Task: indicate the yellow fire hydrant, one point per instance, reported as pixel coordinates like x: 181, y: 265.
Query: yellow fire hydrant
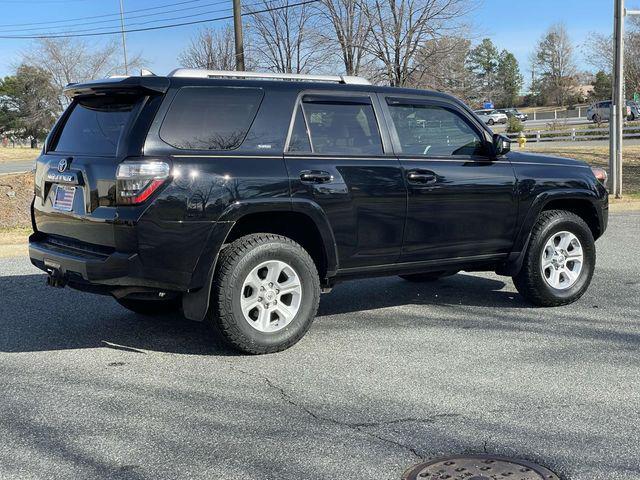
x: 522, y: 140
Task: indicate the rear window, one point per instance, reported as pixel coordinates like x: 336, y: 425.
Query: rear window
x: 95, y: 124
x: 210, y: 118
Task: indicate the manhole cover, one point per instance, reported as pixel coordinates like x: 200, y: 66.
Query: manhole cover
x: 478, y: 467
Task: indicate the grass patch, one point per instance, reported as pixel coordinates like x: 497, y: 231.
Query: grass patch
x: 13, y: 241
x: 599, y: 156
x: 18, y: 154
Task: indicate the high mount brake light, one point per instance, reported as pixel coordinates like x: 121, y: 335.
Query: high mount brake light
x: 600, y: 174
x: 137, y: 180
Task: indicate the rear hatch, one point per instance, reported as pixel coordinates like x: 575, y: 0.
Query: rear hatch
x: 75, y: 179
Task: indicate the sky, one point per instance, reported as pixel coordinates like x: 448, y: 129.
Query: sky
x: 514, y: 25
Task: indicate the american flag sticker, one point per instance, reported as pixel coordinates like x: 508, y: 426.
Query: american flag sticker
x: 64, y: 198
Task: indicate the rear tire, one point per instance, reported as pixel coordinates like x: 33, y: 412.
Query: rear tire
x: 559, y: 262
x: 249, y: 308
x: 426, y: 277
x: 490, y: 122
x: 150, y: 307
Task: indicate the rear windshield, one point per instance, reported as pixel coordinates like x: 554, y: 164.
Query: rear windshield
x: 95, y: 124
x: 210, y: 118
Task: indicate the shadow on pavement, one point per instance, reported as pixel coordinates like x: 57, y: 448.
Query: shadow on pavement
x: 34, y: 317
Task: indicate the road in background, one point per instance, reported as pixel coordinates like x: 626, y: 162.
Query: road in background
x: 16, y: 167
x: 390, y: 373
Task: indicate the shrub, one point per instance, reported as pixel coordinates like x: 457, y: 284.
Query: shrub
x: 514, y: 125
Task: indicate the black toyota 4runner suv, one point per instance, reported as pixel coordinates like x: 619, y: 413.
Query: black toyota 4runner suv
x: 238, y: 200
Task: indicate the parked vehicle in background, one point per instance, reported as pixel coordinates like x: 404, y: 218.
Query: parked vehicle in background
x: 633, y: 110
x: 238, y: 200
x: 514, y: 113
x: 491, y: 116
x: 601, y: 111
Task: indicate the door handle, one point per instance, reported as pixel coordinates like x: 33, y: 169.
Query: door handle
x: 421, y: 176
x: 315, y: 176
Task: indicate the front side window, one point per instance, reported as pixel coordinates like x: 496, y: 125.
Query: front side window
x: 342, y: 127
x: 210, y: 118
x: 433, y: 130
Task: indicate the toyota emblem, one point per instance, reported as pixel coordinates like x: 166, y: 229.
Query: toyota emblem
x: 62, y: 165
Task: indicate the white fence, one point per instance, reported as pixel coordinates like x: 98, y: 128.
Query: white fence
x: 574, y: 134
x: 574, y: 113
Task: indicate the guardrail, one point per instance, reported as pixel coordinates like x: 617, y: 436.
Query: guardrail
x: 574, y: 134
x: 558, y: 114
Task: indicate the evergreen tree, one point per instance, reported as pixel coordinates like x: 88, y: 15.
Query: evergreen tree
x: 601, y: 86
x: 483, y: 63
x: 509, y: 79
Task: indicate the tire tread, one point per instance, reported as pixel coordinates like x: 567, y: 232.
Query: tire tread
x: 222, y: 315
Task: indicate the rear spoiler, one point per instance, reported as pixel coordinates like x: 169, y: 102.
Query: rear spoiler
x: 145, y: 84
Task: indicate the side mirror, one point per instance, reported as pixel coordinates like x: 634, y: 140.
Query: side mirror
x: 501, y: 144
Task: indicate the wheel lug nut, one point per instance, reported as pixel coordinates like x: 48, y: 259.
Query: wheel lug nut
x: 259, y: 299
x: 270, y: 284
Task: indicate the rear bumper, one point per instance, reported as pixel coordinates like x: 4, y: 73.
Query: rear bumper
x: 98, y: 271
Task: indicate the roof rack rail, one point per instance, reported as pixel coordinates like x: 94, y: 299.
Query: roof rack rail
x: 198, y: 73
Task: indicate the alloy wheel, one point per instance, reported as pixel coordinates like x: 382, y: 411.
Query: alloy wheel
x: 271, y: 296
x: 562, y: 260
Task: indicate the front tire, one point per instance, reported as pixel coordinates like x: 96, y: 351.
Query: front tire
x: 490, y: 122
x: 559, y: 262
x: 266, y: 293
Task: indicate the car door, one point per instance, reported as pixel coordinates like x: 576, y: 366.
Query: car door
x: 339, y: 159
x: 461, y: 199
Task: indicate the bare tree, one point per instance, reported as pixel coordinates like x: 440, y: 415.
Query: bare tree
x: 399, y: 28
x: 554, y: 61
x: 69, y: 60
x: 350, y: 28
x: 211, y: 49
x: 444, y: 68
x: 598, y: 52
x: 284, y: 38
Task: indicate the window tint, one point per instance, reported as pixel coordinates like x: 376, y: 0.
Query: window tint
x: 95, y: 124
x: 210, y: 118
x: 299, y: 136
x: 433, y: 130
x: 342, y: 128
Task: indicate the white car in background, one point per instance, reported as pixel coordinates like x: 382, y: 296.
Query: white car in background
x: 491, y: 116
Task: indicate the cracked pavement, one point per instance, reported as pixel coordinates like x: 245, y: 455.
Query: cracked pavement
x: 389, y: 374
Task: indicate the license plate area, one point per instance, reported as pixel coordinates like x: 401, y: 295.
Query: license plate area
x: 63, y: 197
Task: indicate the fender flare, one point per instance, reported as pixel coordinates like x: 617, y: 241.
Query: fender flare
x: 195, y: 304
x: 514, y: 261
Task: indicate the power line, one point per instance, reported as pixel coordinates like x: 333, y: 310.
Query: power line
x: 70, y: 28
x: 102, y: 15
x: 128, y: 17
x: 148, y: 21
x: 158, y: 27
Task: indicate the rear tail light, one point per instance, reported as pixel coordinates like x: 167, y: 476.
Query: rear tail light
x: 136, y: 181
x: 600, y: 174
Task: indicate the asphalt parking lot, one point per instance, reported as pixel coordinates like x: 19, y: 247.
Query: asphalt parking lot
x: 390, y: 373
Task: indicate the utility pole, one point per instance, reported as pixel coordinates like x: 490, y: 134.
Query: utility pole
x: 124, y: 41
x: 237, y: 28
x: 618, y: 102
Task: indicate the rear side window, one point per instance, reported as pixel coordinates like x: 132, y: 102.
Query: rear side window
x: 210, y: 118
x: 342, y: 127
x: 95, y: 124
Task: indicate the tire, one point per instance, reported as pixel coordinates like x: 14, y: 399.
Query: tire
x: 490, y: 121
x: 238, y: 279
x: 532, y: 281
x: 596, y: 118
x: 631, y: 117
x: 150, y: 307
x: 426, y: 277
